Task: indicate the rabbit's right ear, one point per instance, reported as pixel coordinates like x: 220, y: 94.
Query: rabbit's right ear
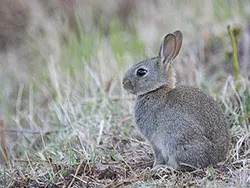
x: 167, y: 50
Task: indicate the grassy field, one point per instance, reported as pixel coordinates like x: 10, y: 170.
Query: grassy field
x: 67, y: 120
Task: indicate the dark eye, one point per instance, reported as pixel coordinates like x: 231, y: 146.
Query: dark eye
x: 141, y: 72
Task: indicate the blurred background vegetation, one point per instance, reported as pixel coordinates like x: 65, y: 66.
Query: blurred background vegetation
x: 62, y: 62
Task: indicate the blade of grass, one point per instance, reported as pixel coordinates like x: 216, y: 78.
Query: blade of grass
x: 4, y: 142
x: 235, y: 55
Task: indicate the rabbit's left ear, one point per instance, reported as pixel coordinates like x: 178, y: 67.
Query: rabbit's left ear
x: 170, y: 47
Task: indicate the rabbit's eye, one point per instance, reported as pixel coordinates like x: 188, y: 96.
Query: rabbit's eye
x: 141, y: 72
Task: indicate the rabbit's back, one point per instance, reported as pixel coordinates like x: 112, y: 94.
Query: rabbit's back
x: 183, y: 116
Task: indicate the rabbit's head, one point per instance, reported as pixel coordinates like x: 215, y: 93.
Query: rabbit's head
x: 153, y: 73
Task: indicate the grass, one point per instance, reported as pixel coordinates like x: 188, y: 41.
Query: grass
x: 68, y: 121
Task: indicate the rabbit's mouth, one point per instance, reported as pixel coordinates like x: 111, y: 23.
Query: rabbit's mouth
x: 127, y: 85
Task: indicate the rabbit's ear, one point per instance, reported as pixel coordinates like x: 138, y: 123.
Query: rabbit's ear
x: 168, y: 47
x: 178, y: 36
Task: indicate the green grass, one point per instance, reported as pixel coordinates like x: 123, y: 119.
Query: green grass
x: 68, y: 120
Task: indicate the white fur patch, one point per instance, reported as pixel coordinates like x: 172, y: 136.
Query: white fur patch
x: 172, y: 162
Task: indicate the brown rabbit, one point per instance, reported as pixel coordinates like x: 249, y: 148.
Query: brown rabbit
x: 186, y: 127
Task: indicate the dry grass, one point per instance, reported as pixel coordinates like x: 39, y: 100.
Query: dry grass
x: 69, y: 123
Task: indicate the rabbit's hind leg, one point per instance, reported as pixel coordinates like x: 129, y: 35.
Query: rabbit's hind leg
x: 193, y: 156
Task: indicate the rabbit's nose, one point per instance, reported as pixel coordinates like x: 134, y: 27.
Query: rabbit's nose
x: 127, y: 84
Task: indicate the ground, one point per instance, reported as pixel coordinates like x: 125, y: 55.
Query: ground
x: 67, y: 121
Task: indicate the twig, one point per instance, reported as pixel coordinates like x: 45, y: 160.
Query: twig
x: 129, y: 167
x: 142, y: 164
x: 140, y: 142
x: 75, y: 175
x: 113, y: 98
x: 30, y: 131
x: 79, y: 179
x: 124, y: 183
x: 39, y: 162
x: 4, y: 142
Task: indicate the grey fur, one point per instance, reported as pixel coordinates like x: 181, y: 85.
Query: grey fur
x: 186, y: 127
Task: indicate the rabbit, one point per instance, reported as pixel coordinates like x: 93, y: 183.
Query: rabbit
x: 185, y: 126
